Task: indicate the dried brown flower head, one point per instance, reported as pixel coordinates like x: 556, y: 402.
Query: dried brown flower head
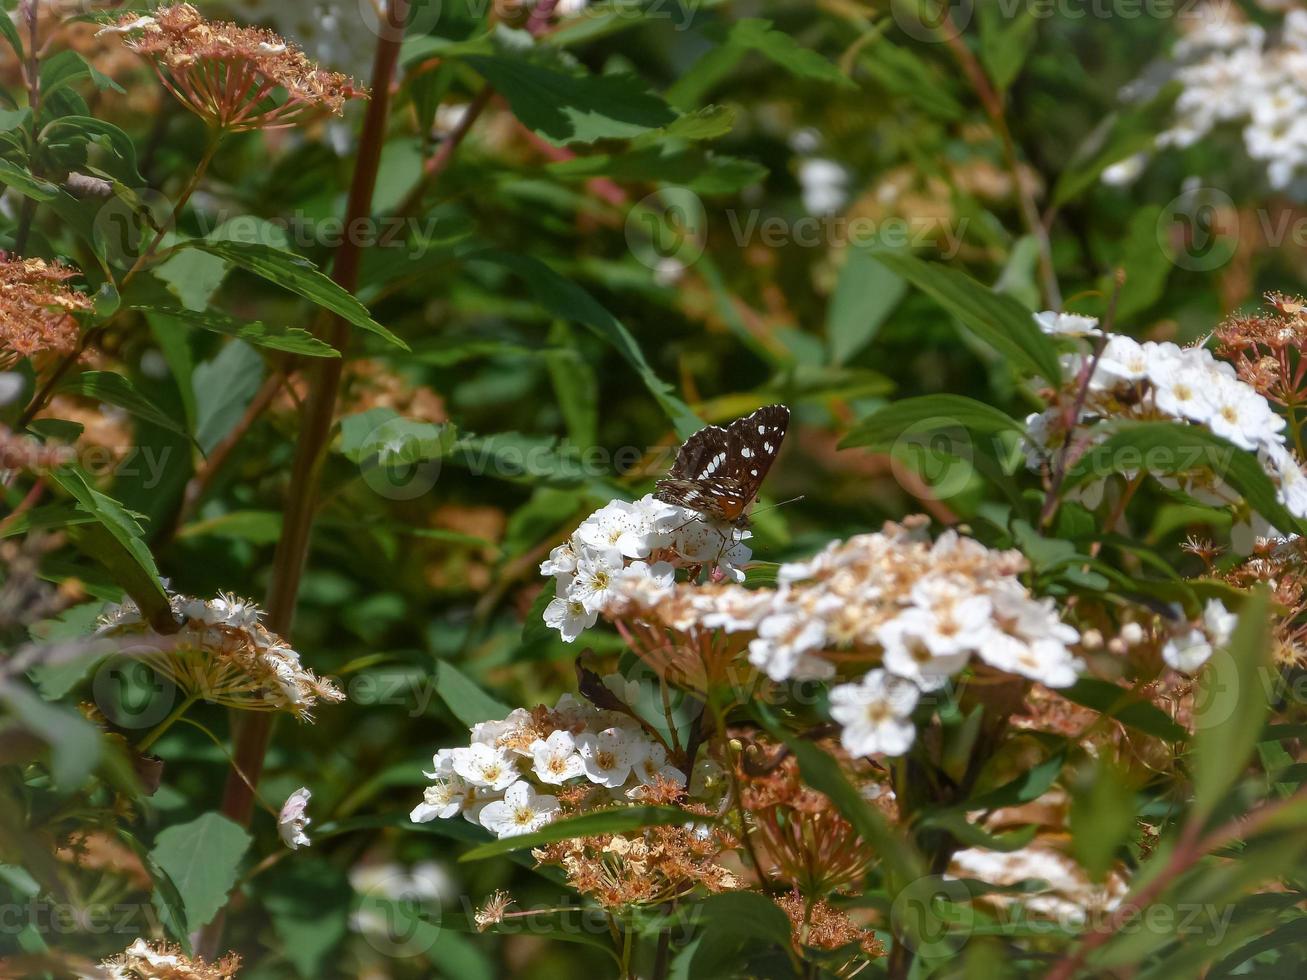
x: 161, y: 961
x: 1265, y: 348
x: 36, y: 309
x: 234, y: 77
x: 649, y: 867
x: 492, y: 912
x: 224, y: 655
x: 796, y: 830
x: 816, y: 924
x: 1280, y: 563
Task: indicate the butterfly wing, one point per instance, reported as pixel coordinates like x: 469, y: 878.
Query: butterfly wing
x: 753, y: 444
x: 719, y: 470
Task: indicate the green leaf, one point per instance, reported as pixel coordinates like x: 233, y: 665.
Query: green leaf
x: 1102, y: 816
x: 1146, y: 265
x: 1117, y: 137
x: 117, y: 542
x: 114, y: 389
x: 74, y: 742
x: 469, y: 704
x: 66, y: 67
x: 20, y: 179
x: 1030, y: 785
x: 292, y: 340
x: 201, y: 857
x: 965, y: 831
x: 1127, y: 707
x: 571, y: 106
x: 1176, y: 447
x: 754, y: 34
x: 999, y: 320
x: 700, y: 170
x: 1231, y: 706
x: 1005, y: 41
x: 9, y: 30
x: 564, y: 299
x: 109, y: 137
x: 223, y: 387
x: 734, y: 924
x: 254, y: 526
x: 865, y: 295
x: 300, y: 276
x: 615, y: 820
x: 927, y: 413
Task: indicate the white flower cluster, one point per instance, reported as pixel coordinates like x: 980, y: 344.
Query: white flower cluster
x: 923, y: 609
x: 640, y: 544
x: 222, y: 654
x: 1194, y: 643
x: 1231, y: 74
x: 1162, y: 380
x: 503, y: 779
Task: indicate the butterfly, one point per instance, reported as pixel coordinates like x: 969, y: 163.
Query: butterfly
x: 719, y: 470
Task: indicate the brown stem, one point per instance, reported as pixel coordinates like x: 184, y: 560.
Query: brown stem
x: 993, y: 106
x: 33, y: 72
x: 292, y: 548
x: 194, y: 182
x: 200, y: 483
x: 1072, y: 417
x: 439, y: 160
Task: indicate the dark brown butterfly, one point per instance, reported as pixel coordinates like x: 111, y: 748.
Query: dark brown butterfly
x: 719, y: 470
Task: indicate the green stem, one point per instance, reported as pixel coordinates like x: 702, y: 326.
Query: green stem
x: 167, y: 723
x: 192, y: 184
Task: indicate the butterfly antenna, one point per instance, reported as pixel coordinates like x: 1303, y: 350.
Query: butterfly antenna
x: 792, y: 500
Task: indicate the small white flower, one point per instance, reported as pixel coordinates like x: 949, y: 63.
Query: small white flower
x: 484, y: 765
x: 876, y: 714
x: 561, y: 561
x: 442, y: 764
x: 908, y: 652
x: 609, y: 756
x: 1240, y: 414
x: 596, y: 572
x: 569, y: 617
x: 491, y: 732
x: 555, y: 759
x: 1046, y: 661
x: 1219, y: 622
x: 655, y: 766
x: 1188, y: 651
x: 521, y: 811
x: 443, y: 799
x: 294, y: 818
x: 1068, y: 324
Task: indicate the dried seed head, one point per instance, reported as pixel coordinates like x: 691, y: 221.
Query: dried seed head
x: 36, y: 309
x: 235, y: 78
